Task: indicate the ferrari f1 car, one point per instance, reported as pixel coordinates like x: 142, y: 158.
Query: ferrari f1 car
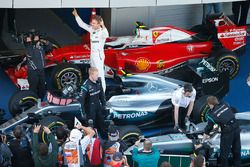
x: 185, y: 144
x: 162, y: 50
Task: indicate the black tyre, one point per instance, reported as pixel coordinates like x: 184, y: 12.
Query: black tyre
x: 199, y: 29
x: 52, y: 122
x: 200, y: 109
x: 226, y: 61
x: 21, y: 101
x: 66, y: 73
x: 129, y: 134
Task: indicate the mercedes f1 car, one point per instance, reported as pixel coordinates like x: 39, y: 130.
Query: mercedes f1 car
x: 142, y: 100
x: 185, y: 144
x: 163, y: 50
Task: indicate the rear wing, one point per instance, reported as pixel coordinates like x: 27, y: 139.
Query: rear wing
x: 231, y: 36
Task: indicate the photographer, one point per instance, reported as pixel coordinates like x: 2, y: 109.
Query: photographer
x: 5, y: 153
x: 148, y: 157
x: 41, y: 155
x: 36, y: 49
x: 75, y: 146
x: 21, y: 149
x: 112, y: 146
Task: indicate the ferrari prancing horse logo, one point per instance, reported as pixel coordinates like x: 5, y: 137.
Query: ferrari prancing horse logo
x: 155, y: 34
x: 160, y: 64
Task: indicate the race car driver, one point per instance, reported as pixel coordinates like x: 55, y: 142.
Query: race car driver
x: 181, y: 99
x: 222, y: 115
x: 36, y: 49
x: 98, y: 34
x: 92, y: 100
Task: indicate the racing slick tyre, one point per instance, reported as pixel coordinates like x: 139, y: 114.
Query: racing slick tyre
x: 52, y: 122
x: 21, y: 101
x: 200, y: 109
x: 226, y: 61
x: 129, y: 134
x: 66, y: 73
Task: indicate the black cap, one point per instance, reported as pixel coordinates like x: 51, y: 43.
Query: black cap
x: 112, y: 131
x: 117, y: 156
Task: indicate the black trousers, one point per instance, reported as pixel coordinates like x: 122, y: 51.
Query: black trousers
x: 240, y: 11
x: 10, y: 19
x: 36, y: 79
x: 230, y: 142
x: 95, y: 113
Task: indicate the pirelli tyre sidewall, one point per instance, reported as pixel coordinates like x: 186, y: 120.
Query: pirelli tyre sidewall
x: 227, y: 61
x: 52, y: 122
x: 200, y: 109
x: 129, y: 134
x: 66, y: 73
x: 22, y: 100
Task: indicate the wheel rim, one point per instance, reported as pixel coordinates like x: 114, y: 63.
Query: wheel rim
x: 131, y: 139
x: 69, y: 78
x: 227, y: 65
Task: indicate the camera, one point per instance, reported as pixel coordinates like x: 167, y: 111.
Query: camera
x: 142, y: 138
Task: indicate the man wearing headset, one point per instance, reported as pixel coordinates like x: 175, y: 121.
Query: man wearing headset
x: 36, y: 49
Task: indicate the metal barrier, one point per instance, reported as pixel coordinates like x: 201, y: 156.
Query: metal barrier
x: 174, y: 160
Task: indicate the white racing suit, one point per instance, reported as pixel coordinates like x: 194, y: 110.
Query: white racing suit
x: 97, y: 41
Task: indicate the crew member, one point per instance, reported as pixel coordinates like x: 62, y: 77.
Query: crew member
x: 240, y: 11
x: 36, y: 49
x: 221, y: 114
x: 98, y: 35
x: 181, y: 99
x: 92, y: 99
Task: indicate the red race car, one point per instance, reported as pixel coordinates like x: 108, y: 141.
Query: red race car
x: 160, y: 50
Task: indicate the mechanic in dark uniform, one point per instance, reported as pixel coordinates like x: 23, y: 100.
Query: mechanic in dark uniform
x: 92, y: 99
x: 36, y: 49
x: 222, y: 114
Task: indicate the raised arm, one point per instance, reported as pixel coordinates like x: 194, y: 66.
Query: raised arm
x: 80, y: 22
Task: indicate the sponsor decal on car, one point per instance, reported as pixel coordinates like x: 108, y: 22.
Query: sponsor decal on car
x: 130, y: 116
x: 190, y: 48
x: 233, y: 33
x: 208, y: 65
x: 160, y: 64
x: 155, y: 34
x: 210, y: 80
x: 245, y: 153
x: 142, y: 64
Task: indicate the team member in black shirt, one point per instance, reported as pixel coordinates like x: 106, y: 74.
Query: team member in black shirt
x: 92, y: 99
x: 36, y: 49
x: 222, y: 115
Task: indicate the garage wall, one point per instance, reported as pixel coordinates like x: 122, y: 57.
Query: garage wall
x: 184, y: 16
